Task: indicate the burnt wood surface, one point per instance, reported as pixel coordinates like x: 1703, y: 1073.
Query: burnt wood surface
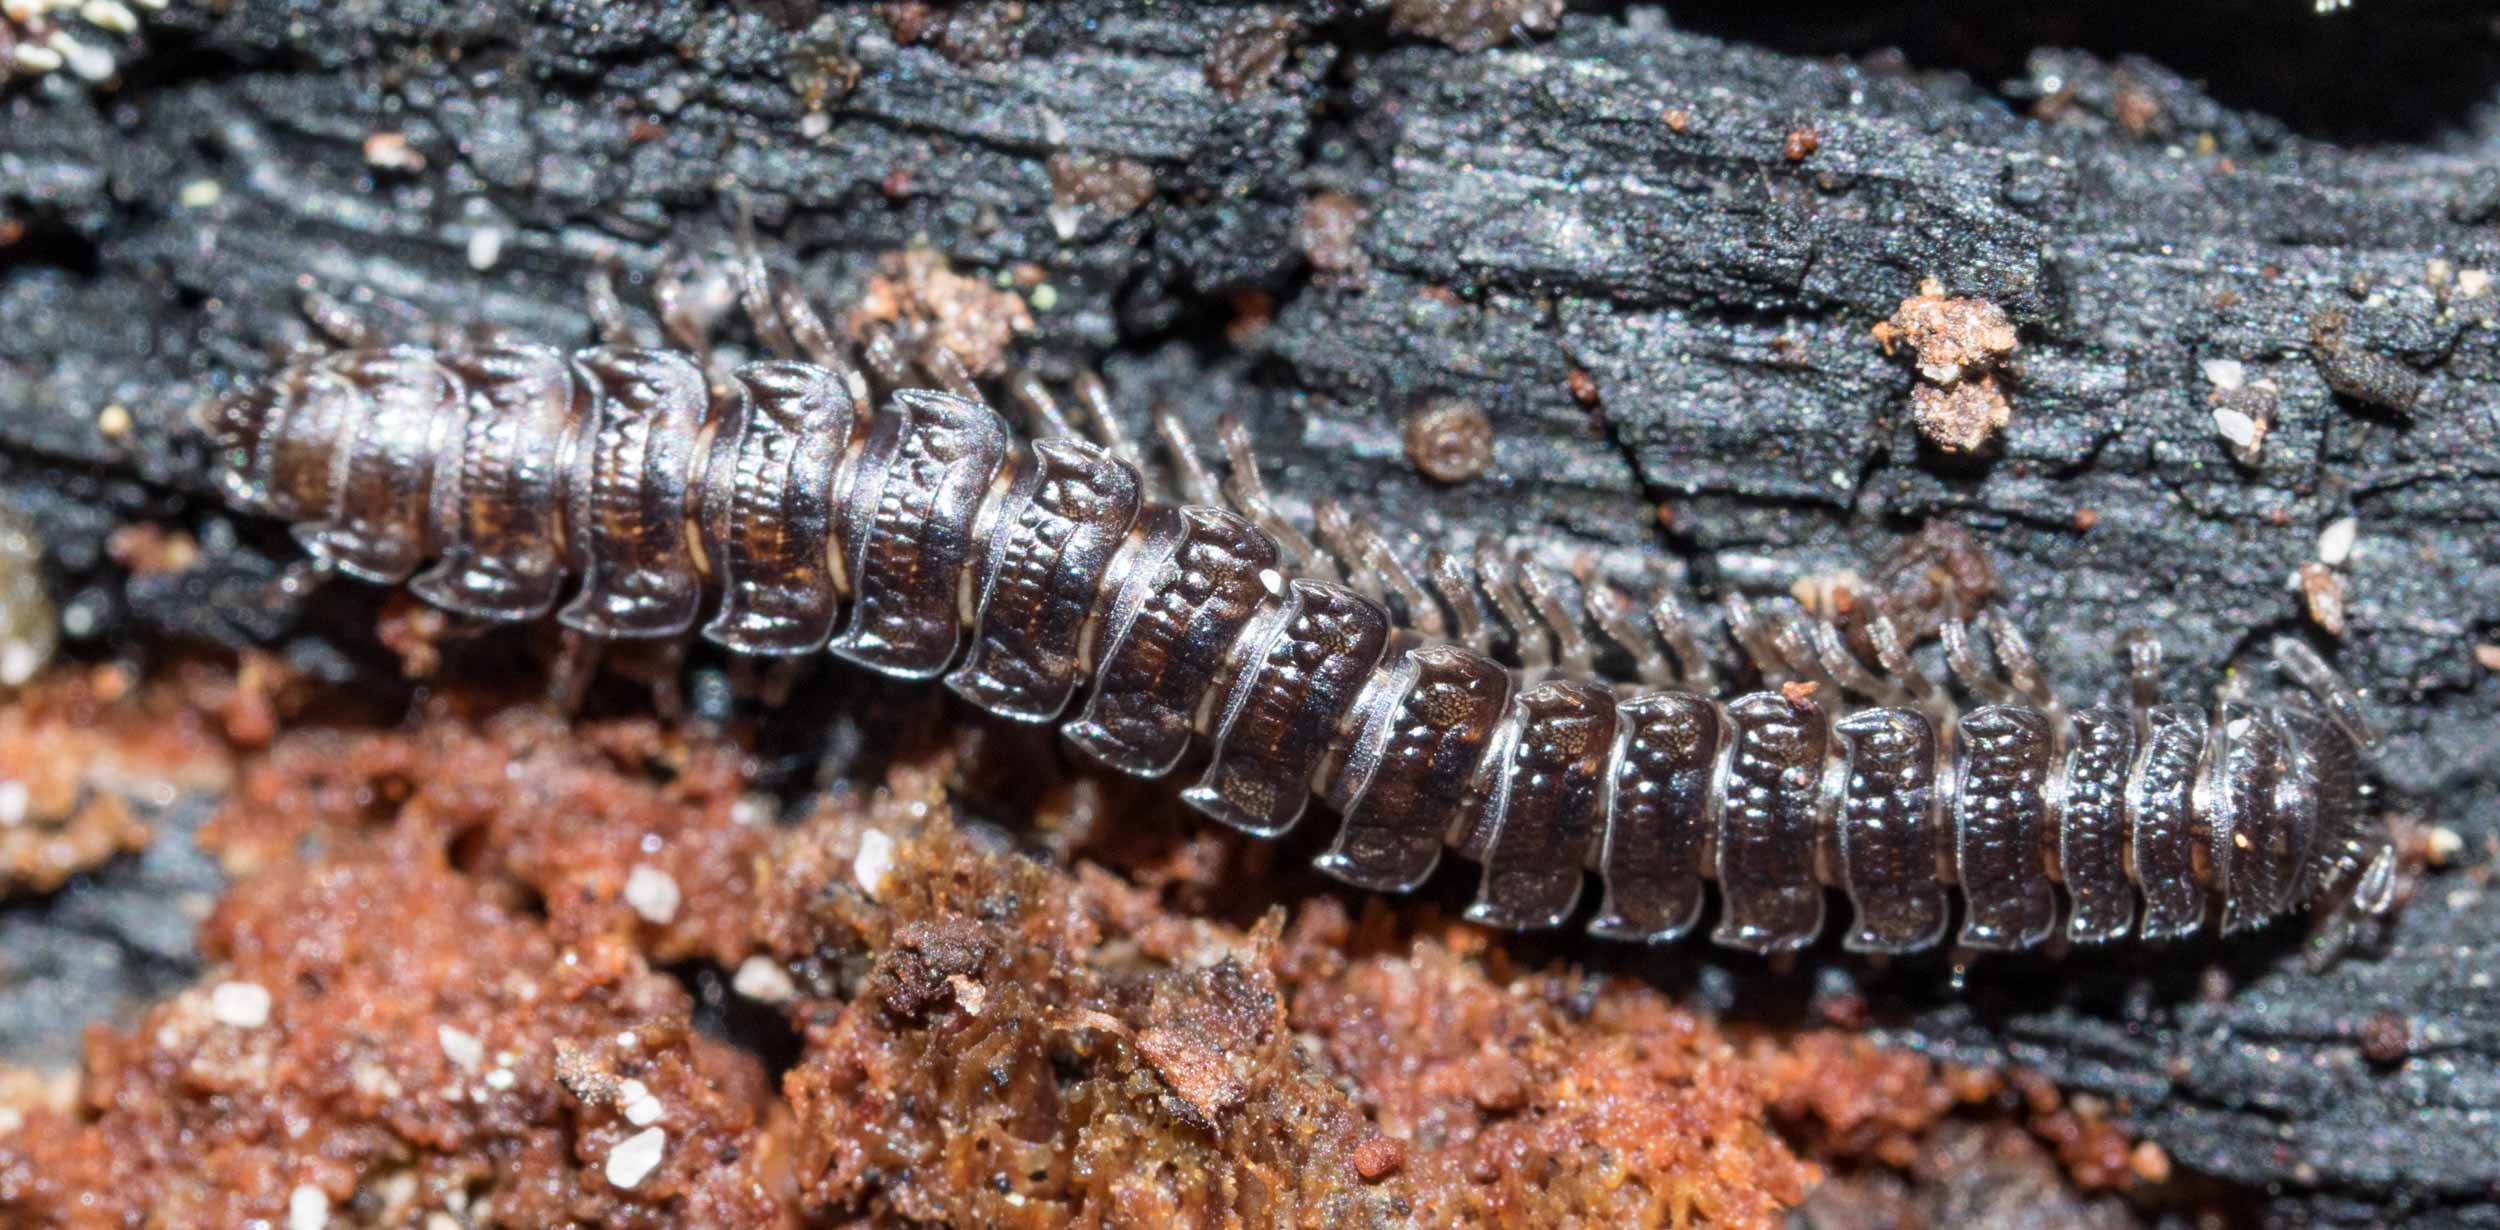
x: 1612, y: 238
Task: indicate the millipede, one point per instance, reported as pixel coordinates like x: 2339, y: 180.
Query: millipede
x: 788, y: 505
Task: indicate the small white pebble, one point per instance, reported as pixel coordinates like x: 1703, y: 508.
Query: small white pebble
x: 2442, y: 845
x: 635, y: 1157
x: 1045, y: 297
x: 635, y: 1100
x: 244, y: 1005
x: 36, y: 58
x: 19, y: 661
x: 2474, y: 283
x: 653, y: 894
x: 1271, y: 580
x: 2226, y: 374
x: 485, y: 247
x: 460, y: 1047
x: 199, y: 194
x: 92, y: 63
x: 441, y: 1221
x: 754, y: 809
x: 815, y: 124
x: 499, y: 1079
x: 876, y: 859
x: 2335, y: 541
x: 14, y: 802
x: 2237, y: 428
x: 762, y: 979
x: 1064, y: 220
x: 109, y: 15
x: 307, y: 1208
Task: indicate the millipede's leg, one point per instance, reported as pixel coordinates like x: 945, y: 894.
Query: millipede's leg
x: 781, y: 678
x: 1846, y: 669
x: 334, y: 320
x: 576, y: 664
x: 1337, y: 533
x: 2340, y: 918
x: 1791, y: 637
x: 1744, y: 626
x: 667, y: 666
x: 1675, y: 627
x: 691, y: 297
x: 947, y: 368
x: 1963, y: 657
x: 1197, y: 483
x: 1394, y: 575
x: 756, y: 298
x: 295, y: 584
x: 816, y: 341
x: 884, y: 357
x: 1494, y: 576
x: 2013, y: 652
x: 1612, y: 613
x: 1027, y: 390
x: 2143, y: 669
x: 1457, y: 588
x: 1544, y: 593
x: 1095, y: 396
x: 1894, y: 656
x: 2342, y: 704
x: 1248, y: 496
x: 608, y: 313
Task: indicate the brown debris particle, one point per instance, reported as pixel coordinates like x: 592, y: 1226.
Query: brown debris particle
x: 2323, y: 592
x: 1330, y: 232
x: 1960, y: 418
x: 1379, y: 1157
x: 2360, y: 373
x: 1959, y: 344
x: 2086, y: 518
x: 2487, y: 655
x: 1246, y: 56
x: 1116, y: 186
x: 918, y: 293
x: 1950, y: 337
x: 2135, y: 108
x: 390, y: 151
x: 1472, y: 25
x: 2386, y: 1038
x: 1678, y: 120
x: 1800, y: 144
x: 2150, y: 1162
x: 1450, y: 440
x: 1800, y: 692
x: 1583, y: 386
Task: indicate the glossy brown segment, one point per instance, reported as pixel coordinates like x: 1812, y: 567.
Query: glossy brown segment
x: 1414, y: 774
x: 2092, y: 826
x: 768, y: 507
x: 1043, y: 580
x: 1658, y: 825
x: 910, y: 533
x: 2257, y: 847
x: 1767, y: 821
x: 1888, y: 836
x: 1285, y: 710
x: 1549, y: 807
x: 310, y: 421
x: 629, y: 499
x: 382, y: 472
x: 1190, y: 609
x: 2000, y: 828
x: 2160, y: 799
x: 498, y: 499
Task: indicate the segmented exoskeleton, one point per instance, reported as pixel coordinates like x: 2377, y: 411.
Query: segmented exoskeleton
x: 924, y: 541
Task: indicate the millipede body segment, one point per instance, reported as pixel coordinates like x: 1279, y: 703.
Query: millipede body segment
x: 1054, y: 584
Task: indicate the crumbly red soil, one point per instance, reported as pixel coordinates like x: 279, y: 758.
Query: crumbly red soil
x: 461, y: 987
